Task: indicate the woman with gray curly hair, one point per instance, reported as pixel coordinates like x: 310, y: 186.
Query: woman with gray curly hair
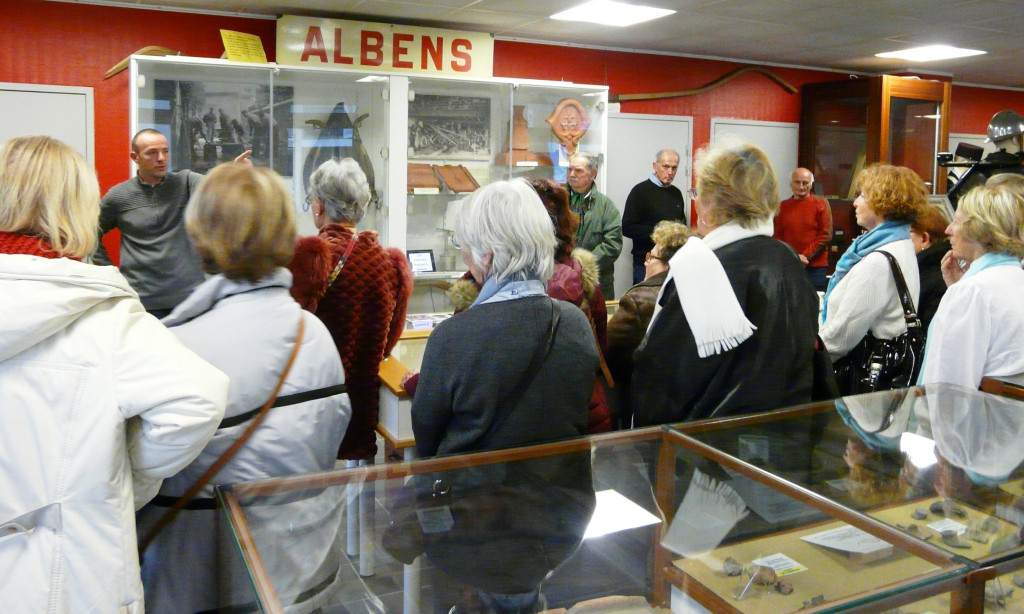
x: 358, y: 288
x: 517, y: 367
x: 978, y: 330
x: 737, y: 321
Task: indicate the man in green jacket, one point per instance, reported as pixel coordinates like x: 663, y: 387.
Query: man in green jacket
x: 600, y: 228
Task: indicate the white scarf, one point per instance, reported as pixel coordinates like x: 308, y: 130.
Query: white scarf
x: 705, y: 294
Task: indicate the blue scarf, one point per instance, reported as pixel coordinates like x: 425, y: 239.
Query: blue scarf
x: 886, y: 232
x: 989, y: 260
x: 986, y: 261
x: 508, y: 290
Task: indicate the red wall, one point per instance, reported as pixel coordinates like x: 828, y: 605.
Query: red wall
x: 61, y: 43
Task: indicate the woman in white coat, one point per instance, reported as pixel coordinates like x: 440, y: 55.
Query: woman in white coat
x: 244, y: 320
x: 861, y: 297
x: 99, y: 400
x: 978, y: 329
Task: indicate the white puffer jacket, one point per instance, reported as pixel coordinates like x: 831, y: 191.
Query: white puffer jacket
x: 93, y: 393
x: 248, y: 330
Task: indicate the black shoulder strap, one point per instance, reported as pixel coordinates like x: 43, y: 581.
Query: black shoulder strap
x: 909, y: 314
x: 539, y: 356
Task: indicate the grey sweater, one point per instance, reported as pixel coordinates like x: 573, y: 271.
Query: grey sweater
x: 474, y: 360
x: 156, y: 255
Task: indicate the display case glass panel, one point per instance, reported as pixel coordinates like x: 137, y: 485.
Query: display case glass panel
x: 941, y: 464
x: 644, y: 514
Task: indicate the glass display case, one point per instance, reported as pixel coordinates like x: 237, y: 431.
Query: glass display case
x: 424, y: 142
x: 848, y: 125
x: 941, y: 465
x: 904, y: 501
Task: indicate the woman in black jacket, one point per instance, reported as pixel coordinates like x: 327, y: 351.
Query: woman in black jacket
x: 928, y: 233
x: 738, y: 316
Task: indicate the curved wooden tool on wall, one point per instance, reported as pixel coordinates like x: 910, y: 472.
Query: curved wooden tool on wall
x: 705, y: 88
x: 150, y: 50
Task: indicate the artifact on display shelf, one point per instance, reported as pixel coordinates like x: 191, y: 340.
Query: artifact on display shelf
x: 211, y: 123
x: 569, y: 122
x: 457, y: 178
x: 421, y: 179
x: 339, y: 138
x: 519, y: 144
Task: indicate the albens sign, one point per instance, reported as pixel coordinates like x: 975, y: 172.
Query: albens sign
x: 305, y: 41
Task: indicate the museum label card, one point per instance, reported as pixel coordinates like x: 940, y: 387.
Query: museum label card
x: 848, y: 539
x: 947, y: 524
x: 782, y: 564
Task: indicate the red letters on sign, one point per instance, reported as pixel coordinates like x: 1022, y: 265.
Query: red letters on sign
x: 371, y: 43
x: 338, y: 58
x: 398, y: 51
x: 403, y: 47
x: 460, y: 47
x: 435, y: 52
x: 314, y: 45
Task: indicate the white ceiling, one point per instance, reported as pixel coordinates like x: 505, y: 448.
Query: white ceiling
x: 833, y: 34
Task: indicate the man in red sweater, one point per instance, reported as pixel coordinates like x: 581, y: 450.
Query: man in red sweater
x: 805, y: 223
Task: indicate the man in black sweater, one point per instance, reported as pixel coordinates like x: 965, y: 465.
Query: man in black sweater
x: 649, y: 202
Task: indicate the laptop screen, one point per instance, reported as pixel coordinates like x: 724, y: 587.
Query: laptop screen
x: 421, y: 260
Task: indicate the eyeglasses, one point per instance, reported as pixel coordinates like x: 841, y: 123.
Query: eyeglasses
x: 651, y: 256
x: 692, y: 193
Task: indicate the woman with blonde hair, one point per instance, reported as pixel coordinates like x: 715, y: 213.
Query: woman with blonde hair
x: 978, y: 330
x: 735, y: 330
x: 862, y: 296
x: 243, y: 320
x: 100, y: 402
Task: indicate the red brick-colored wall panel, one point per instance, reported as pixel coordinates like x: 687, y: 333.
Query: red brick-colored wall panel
x: 973, y: 107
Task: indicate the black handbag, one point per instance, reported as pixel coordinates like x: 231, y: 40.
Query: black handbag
x: 885, y: 364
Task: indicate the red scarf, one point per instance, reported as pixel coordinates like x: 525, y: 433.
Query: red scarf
x: 15, y: 243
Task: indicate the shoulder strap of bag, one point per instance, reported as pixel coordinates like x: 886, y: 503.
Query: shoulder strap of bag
x: 344, y: 258
x: 909, y: 314
x: 215, y: 468
x: 539, y: 356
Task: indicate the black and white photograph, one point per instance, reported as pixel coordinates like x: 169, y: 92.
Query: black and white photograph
x: 450, y: 127
x: 211, y: 123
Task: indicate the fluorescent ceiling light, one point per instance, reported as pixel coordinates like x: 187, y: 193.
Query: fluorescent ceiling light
x: 372, y: 79
x: 930, y: 53
x: 609, y: 13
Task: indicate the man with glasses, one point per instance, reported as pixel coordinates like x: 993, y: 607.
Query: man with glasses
x: 649, y: 202
x: 600, y: 227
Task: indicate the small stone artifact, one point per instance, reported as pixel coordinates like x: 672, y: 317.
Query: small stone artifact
x: 1005, y: 542
x: 952, y: 538
x: 762, y: 575
x: 996, y: 594
x: 731, y: 567
x: 813, y: 601
x: 919, y: 514
x: 1018, y: 579
x: 947, y: 508
x: 784, y: 587
x: 976, y: 533
x: 990, y: 524
x: 915, y: 530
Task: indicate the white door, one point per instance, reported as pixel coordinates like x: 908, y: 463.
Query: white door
x: 778, y: 140
x: 633, y: 141
x: 65, y: 113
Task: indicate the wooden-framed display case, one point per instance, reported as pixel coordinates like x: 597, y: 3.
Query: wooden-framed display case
x: 425, y: 142
x: 824, y: 494
x: 848, y: 125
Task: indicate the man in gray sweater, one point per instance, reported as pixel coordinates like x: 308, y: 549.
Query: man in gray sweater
x: 156, y: 256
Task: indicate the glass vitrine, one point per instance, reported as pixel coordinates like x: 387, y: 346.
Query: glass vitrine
x: 650, y: 517
x: 848, y: 125
x: 939, y: 464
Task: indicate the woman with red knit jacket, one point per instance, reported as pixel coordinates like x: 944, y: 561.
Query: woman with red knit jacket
x: 359, y: 289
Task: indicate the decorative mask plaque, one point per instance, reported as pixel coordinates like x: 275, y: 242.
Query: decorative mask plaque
x: 569, y: 122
